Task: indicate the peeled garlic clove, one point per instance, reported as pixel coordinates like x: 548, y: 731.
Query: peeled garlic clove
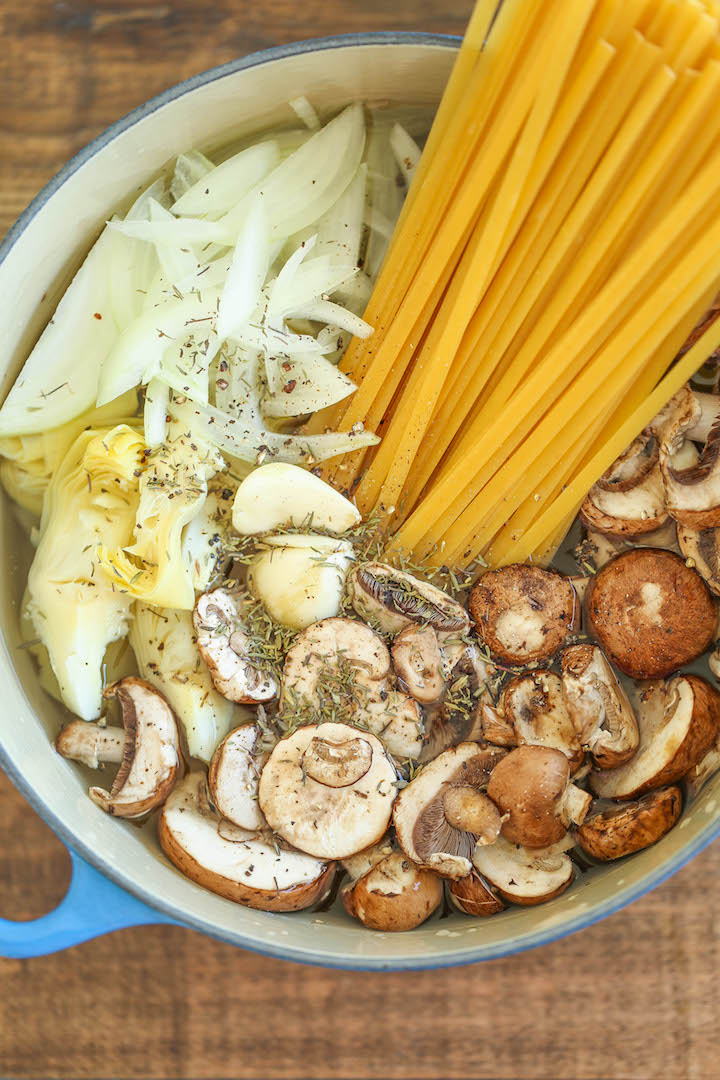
x: 278, y: 495
x: 300, y: 579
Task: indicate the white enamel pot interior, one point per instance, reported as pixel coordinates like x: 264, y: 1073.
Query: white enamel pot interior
x: 36, y: 261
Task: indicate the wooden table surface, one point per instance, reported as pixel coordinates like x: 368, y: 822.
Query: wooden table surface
x: 635, y: 997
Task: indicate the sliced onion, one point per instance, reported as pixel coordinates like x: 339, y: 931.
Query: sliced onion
x: 184, y: 232
x: 157, y: 397
x: 308, y: 386
x: 406, y: 152
x: 177, y: 262
x: 223, y: 188
x: 340, y: 229
x: 190, y: 169
x: 333, y: 315
x: 305, y: 112
x: 248, y: 270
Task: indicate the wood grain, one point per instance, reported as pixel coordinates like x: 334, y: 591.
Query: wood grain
x: 636, y: 997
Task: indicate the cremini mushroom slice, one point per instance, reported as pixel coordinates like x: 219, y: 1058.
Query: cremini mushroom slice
x: 531, y: 788
x: 234, y: 776
x: 226, y: 648
x: 522, y: 876
x: 457, y: 717
x: 308, y: 796
x: 394, y: 895
x: 300, y: 577
x: 698, y: 777
x: 148, y: 750
x: 435, y: 815
x: 277, y: 495
x: 342, y: 667
x: 629, y: 500
x: 533, y: 707
x: 598, y: 706
x: 650, y: 612
x: 418, y: 661
x: 250, y: 869
x: 679, y: 722
x: 389, y: 600
x: 701, y: 549
x: 474, y: 896
x: 604, y: 548
x: 524, y: 614
x: 628, y: 827
x: 692, y: 484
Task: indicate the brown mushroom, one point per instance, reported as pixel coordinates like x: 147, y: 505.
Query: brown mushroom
x: 603, y: 548
x: 474, y: 896
x: 628, y: 827
x: 701, y: 550
x: 531, y: 787
x: 234, y: 776
x: 650, y: 612
x: 458, y: 716
x: 328, y: 789
x: 225, y: 647
x: 247, y: 868
x: 522, y: 876
x: 436, y: 814
x: 692, y: 485
x: 698, y: 776
x: 524, y: 614
x: 150, y: 762
x: 390, y: 599
x: 534, y: 708
x: 394, y: 895
x: 629, y: 500
x: 418, y: 662
x: 598, y: 706
x: 679, y: 721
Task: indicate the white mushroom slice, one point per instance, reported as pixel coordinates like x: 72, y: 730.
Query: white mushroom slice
x: 534, y: 707
x: 702, y: 553
x: 629, y: 500
x: 320, y: 816
x: 418, y: 662
x: 598, y: 706
x: 226, y: 648
x: 252, y: 871
x: 522, y: 876
x: 234, y: 777
x: 363, y: 861
x: 300, y: 578
x: 389, y: 599
x: 434, y: 821
x: 706, y: 416
x: 151, y: 758
x: 277, y: 495
x: 397, y: 720
x: 329, y: 646
x: 531, y: 787
x: 679, y: 722
x: 692, y: 491
x: 393, y: 896
x: 90, y: 744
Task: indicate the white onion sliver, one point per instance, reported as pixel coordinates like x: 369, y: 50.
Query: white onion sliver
x: 340, y: 229
x: 307, y: 386
x: 406, y: 152
x: 182, y: 231
x: 190, y: 168
x: 248, y: 270
x: 305, y: 112
x: 218, y: 191
x: 177, y: 262
x: 157, y: 397
x: 333, y: 315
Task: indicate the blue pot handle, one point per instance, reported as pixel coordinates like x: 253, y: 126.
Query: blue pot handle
x: 92, y: 906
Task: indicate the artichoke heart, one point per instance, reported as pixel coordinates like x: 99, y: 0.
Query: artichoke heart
x: 75, y: 610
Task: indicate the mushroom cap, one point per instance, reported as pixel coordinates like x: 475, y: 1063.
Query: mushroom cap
x: 225, y: 647
x: 650, y: 612
x: 251, y: 870
x: 474, y: 896
x: 458, y: 716
x: 151, y: 761
x: 420, y: 816
x: 535, y: 706
x: 327, y: 645
x: 234, y: 777
x: 679, y: 722
x: 523, y: 613
x: 391, y: 599
x: 323, y: 820
x: 629, y: 500
x: 418, y: 661
x: 522, y: 876
x: 531, y: 785
x: 598, y: 706
x: 394, y: 895
x: 702, y: 552
x: 628, y: 827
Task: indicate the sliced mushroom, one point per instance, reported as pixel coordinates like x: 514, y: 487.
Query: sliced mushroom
x: 698, y: 777
x: 598, y: 706
x: 418, y: 662
x: 389, y: 599
x: 650, y: 612
x: 522, y: 876
x: 458, y: 716
x: 322, y: 810
x: 394, y: 895
x: 234, y: 776
x: 435, y: 815
x: 300, y: 578
x: 343, y: 666
x: 604, y: 548
x: 277, y: 495
x: 150, y: 760
x: 474, y: 896
x: 692, y: 489
x: 702, y: 553
x: 249, y: 869
x: 623, y: 829
x: 679, y: 722
x: 531, y: 787
x: 533, y: 708
x: 226, y: 648
x: 524, y: 614
x: 629, y: 500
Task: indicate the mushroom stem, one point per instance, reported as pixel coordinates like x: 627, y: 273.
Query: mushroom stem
x: 91, y: 744
x: 574, y: 806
